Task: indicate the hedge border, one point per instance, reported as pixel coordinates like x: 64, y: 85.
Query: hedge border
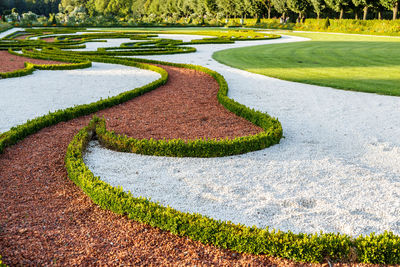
x: 30, y: 67
x: 299, y: 247
x: 19, y: 132
x: 271, y: 134
x: 383, y: 248
x: 272, y: 129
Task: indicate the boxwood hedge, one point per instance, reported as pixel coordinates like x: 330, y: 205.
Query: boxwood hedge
x: 335, y: 247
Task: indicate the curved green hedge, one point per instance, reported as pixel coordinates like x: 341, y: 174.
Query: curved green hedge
x: 30, y: 67
x: 19, y: 132
x: 382, y: 248
x: 271, y: 134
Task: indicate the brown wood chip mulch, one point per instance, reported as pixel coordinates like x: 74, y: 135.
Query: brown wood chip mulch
x: 46, y: 220
x: 48, y: 39
x: 9, y: 62
x: 186, y: 107
x: 22, y: 37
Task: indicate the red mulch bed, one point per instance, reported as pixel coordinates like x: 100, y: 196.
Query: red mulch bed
x: 9, y: 62
x: 48, y: 39
x: 22, y: 37
x: 186, y: 107
x: 46, y: 220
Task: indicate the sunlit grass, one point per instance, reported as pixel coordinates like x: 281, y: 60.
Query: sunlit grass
x: 359, y: 63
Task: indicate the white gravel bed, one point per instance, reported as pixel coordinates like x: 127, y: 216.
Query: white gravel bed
x: 183, y: 37
x: 92, y: 46
x: 337, y: 170
x: 10, y: 31
x: 35, y: 95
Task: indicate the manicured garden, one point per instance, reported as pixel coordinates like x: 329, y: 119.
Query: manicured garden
x: 66, y: 133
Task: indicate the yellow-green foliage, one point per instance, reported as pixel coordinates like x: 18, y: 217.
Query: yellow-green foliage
x: 389, y: 27
x: 383, y: 27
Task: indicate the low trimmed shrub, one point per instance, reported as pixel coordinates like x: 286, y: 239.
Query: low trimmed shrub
x: 19, y: 132
x: 30, y: 67
x: 201, y: 148
x: 334, y: 247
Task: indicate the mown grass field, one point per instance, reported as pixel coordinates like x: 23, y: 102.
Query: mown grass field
x: 351, y: 62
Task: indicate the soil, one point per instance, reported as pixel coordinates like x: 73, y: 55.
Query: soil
x: 186, y: 107
x: 22, y: 37
x: 9, y: 62
x: 46, y: 220
x: 48, y: 39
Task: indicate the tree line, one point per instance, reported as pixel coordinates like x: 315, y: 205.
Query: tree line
x: 211, y: 8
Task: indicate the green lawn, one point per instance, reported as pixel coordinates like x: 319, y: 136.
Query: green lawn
x: 4, y: 26
x: 358, y: 63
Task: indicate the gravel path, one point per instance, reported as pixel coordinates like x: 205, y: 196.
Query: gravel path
x: 337, y: 170
x: 4, y: 34
x: 35, y: 95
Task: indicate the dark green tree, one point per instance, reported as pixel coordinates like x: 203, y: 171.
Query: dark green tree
x: 118, y: 7
x: 211, y: 6
x: 318, y: 6
x: 228, y: 7
x: 299, y: 7
x: 338, y: 6
x: 391, y: 4
x: 365, y: 5
x: 264, y: 3
x: 280, y: 6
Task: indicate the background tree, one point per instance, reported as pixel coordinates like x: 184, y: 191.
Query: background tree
x: 228, y: 7
x: 299, y: 7
x: 391, y: 4
x: 137, y: 8
x: 364, y: 4
x: 246, y: 7
x: 338, y: 6
x: 318, y: 6
x: 94, y: 7
x: 281, y: 7
x: 185, y: 7
x: 211, y: 6
x: 118, y: 7
x: 260, y: 4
